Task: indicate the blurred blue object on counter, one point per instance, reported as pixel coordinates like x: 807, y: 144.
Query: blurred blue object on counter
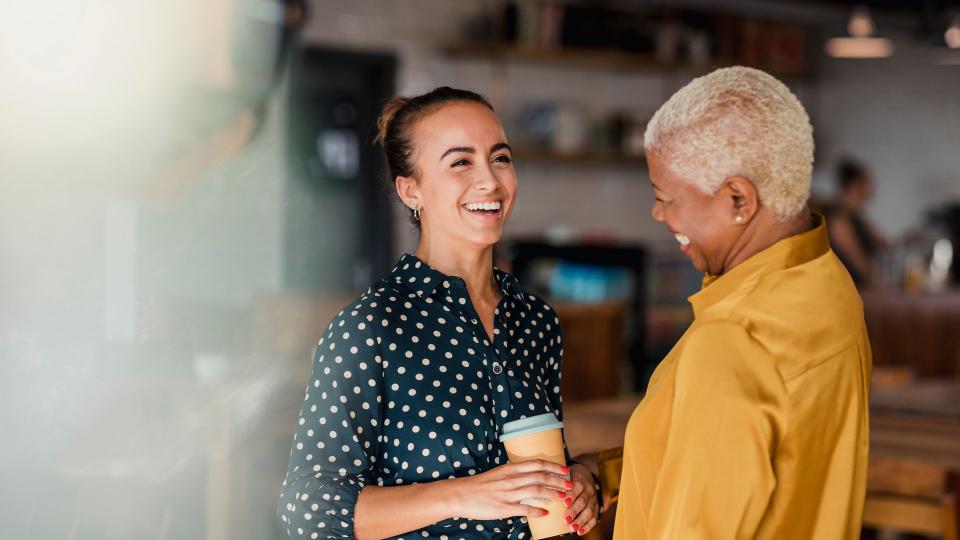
x: 588, y: 283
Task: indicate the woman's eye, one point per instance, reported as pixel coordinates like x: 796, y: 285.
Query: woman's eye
x: 503, y: 159
x: 460, y: 163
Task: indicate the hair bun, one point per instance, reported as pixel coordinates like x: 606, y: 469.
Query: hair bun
x: 386, y: 117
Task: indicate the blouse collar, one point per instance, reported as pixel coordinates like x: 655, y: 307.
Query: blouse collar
x: 787, y: 253
x: 424, y: 280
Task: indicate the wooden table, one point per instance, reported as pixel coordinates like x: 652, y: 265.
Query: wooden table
x: 918, y: 331
x: 930, y: 398
x: 914, y: 438
x: 918, y: 427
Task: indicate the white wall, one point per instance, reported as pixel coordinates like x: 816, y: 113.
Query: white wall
x: 900, y: 116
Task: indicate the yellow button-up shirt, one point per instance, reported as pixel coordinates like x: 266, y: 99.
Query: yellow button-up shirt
x: 755, y: 425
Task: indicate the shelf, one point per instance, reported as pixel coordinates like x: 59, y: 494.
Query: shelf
x: 583, y: 57
x: 612, y: 59
x: 548, y: 156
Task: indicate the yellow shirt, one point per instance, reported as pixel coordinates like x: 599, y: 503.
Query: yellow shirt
x: 755, y: 425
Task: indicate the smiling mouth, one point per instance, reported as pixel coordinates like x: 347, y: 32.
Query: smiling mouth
x: 683, y: 239
x: 489, y: 208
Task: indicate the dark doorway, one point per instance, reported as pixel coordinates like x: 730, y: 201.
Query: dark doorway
x: 338, y: 231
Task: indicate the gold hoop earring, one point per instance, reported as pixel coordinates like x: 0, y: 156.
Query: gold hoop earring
x: 417, y: 214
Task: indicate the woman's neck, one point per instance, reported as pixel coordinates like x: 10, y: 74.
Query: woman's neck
x: 765, y: 231
x: 850, y: 203
x: 473, y: 264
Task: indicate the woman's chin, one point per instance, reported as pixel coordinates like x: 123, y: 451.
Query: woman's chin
x: 484, y: 237
x: 482, y: 231
x: 698, y: 263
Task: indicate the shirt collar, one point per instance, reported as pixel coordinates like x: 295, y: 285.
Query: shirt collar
x: 423, y: 280
x: 787, y: 253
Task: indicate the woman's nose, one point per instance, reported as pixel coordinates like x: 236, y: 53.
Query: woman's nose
x: 656, y: 212
x: 487, y: 180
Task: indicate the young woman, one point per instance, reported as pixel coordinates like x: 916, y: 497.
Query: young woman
x: 411, y: 384
x: 853, y: 237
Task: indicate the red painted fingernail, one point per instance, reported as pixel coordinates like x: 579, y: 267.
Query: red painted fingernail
x: 568, y: 485
x: 568, y: 501
x: 582, y: 532
x: 566, y: 470
x: 545, y: 511
x: 574, y: 526
x: 561, y: 494
x: 569, y: 519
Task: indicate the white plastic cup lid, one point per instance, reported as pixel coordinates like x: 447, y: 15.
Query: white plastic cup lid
x: 530, y: 425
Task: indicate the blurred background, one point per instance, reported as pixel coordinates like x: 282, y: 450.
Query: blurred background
x: 189, y: 192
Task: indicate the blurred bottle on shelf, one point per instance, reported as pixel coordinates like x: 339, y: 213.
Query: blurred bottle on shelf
x: 570, y: 131
x: 668, y: 42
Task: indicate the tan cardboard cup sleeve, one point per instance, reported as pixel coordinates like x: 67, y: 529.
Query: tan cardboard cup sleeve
x: 539, y: 437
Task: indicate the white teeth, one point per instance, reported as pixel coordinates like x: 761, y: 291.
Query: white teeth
x: 682, y: 239
x: 495, y: 205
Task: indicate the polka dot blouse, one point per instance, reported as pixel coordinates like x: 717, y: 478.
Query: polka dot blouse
x: 406, y: 388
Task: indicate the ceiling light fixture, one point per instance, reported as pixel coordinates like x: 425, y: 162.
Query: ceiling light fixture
x: 861, y: 44
x: 952, y: 35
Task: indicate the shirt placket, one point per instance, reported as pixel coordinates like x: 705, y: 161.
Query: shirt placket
x: 493, y: 360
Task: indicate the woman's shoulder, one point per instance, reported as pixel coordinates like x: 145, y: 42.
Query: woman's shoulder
x: 531, y: 306
x: 539, y: 314
x: 365, y: 313
x: 379, y: 296
x: 538, y: 306
x: 521, y: 298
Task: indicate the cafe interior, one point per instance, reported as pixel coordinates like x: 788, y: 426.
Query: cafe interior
x: 190, y: 192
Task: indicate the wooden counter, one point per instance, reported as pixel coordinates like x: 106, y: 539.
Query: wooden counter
x: 921, y: 331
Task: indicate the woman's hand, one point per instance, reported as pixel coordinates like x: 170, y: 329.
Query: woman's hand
x: 496, y: 494
x: 582, y: 507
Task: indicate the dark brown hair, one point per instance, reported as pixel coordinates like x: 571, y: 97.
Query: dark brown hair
x: 849, y: 173
x: 398, y: 118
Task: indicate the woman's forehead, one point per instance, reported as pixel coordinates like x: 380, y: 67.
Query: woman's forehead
x: 459, y: 124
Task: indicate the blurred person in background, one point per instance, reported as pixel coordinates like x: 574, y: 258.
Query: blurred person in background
x: 413, y: 381
x: 755, y: 425
x: 854, y: 239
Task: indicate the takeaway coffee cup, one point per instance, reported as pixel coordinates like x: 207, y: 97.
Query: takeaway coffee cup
x: 539, y: 437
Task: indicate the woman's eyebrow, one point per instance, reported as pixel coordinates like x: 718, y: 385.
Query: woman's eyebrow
x: 467, y: 149
x: 500, y: 146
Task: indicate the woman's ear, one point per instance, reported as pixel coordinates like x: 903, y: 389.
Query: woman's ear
x: 743, y: 197
x: 409, y: 192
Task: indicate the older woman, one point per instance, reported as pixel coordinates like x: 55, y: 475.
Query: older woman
x: 755, y: 425
x: 412, y: 382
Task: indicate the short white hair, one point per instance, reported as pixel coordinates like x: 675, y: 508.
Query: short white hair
x: 738, y: 121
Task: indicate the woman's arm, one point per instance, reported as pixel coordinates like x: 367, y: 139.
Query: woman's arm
x: 590, y: 461
x: 879, y: 239
x: 336, y: 444
x: 384, y: 512
x: 729, y: 410
x: 845, y: 241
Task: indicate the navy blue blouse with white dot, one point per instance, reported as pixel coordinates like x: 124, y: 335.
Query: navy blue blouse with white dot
x: 407, y: 388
